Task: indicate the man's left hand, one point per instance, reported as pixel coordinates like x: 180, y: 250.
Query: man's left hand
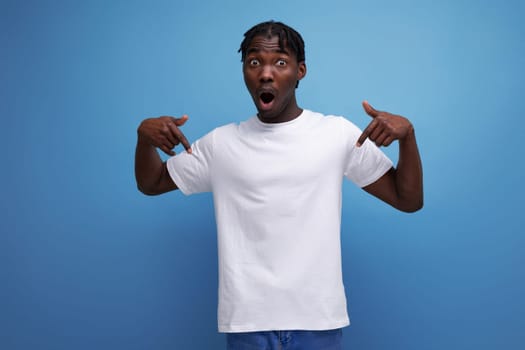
x: 385, y: 127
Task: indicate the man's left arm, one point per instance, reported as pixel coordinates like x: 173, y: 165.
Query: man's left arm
x: 401, y: 187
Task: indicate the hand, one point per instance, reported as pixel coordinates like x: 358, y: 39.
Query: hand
x: 164, y: 133
x: 384, y: 128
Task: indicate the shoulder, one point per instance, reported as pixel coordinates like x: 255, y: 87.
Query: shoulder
x: 333, y: 122
x: 228, y: 131
x: 222, y: 131
x: 225, y: 129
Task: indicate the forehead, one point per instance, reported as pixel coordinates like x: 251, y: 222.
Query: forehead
x: 267, y: 43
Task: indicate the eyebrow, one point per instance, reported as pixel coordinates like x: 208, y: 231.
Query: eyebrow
x: 256, y: 50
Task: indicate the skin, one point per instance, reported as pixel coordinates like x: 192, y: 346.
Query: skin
x: 401, y: 187
x: 151, y: 172
x: 268, y: 69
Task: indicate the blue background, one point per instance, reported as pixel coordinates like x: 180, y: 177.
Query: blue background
x: 89, y: 262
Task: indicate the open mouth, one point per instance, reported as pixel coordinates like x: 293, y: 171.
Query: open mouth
x: 267, y: 97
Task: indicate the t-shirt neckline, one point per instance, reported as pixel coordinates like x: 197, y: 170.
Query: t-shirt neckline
x: 283, y: 125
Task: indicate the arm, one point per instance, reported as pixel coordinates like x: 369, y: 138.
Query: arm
x: 401, y: 187
x: 151, y: 172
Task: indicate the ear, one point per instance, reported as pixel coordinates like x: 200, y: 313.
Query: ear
x: 301, y: 70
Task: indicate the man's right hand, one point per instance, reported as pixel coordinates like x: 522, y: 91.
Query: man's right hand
x: 164, y: 133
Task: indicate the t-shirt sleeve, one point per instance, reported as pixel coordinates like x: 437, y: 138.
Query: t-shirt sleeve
x: 365, y: 164
x: 191, y: 172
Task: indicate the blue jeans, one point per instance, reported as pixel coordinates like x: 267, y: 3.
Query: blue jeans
x: 286, y: 340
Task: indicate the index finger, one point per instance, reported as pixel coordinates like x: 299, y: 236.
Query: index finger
x: 368, y: 130
x: 180, y: 136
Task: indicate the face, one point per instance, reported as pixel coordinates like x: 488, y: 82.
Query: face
x: 271, y: 75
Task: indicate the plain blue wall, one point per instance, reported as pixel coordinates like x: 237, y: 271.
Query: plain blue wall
x: 89, y: 262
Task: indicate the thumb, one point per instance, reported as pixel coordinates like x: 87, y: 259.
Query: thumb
x: 369, y: 109
x: 181, y: 121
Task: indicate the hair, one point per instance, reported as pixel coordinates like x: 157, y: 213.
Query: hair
x: 288, y: 38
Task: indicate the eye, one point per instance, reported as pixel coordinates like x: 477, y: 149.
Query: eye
x: 281, y: 62
x: 253, y: 62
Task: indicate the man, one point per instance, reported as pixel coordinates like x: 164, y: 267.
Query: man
x: 276, y: 180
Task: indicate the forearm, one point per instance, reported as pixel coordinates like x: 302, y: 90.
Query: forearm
x: 409, y: 174
x: 150, y: 171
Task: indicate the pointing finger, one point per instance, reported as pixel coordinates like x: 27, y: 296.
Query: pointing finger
x: 369, y: 129
x: 185, y: 143
x: 180, y: 136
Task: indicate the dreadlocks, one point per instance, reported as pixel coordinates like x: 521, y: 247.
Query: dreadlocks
x: 288, y: 37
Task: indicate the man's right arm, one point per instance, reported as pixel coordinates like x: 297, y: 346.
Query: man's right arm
x: 151, y: 172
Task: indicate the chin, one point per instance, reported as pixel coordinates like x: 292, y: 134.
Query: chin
x: 268, y: 115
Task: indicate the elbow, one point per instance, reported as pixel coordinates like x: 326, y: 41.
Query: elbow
x: 411, y: 207
x: 148, y: 191
x: 155, y: 188
x: 153, y: 183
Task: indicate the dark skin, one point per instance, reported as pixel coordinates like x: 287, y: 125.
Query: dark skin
x: 271, y: 75
x: 401, y: 187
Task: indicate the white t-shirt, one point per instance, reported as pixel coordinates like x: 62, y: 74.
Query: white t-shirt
x: 277, y: 192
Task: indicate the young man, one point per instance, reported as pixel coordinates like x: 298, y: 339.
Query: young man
x: 276, y: 180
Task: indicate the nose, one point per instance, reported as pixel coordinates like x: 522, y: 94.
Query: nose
x: 266, y: 74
